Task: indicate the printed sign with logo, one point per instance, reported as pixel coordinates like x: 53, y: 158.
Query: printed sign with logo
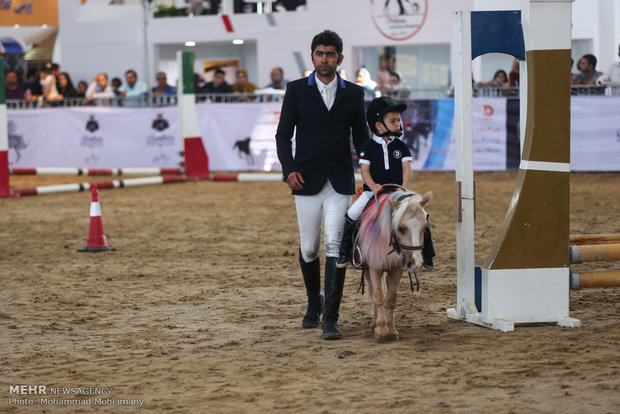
x: 398, y: 19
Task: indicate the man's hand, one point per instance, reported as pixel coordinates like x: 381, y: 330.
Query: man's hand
x: 376, y: 188
x: 295, y: 181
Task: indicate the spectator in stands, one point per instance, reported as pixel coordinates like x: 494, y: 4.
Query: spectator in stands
x: 194, y: 8
x: 65, y: 86
x: 243, y: 85
x: 277, y: 79
x: 217, y: 85
x: 56, y: 72
x: 513, y: 76
x: 116, y: 85
x: 612, y: 76
x: 587, y: 71
x: 500, y: 80
x: 82, y: 86
x: 133, y: 91
x: 48, y: 83
x: 397, y: 88
x: 33, y: 83
x: 12, y: 89
x: 100, y: 88
x: 363, y: 79
x: 162, y: 87
x: 384, y: 72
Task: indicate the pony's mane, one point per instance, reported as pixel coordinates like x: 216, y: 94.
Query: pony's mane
x: 376, y: 229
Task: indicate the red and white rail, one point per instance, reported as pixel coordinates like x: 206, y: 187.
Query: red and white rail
x: 67, y: 188
x: 95, y: 171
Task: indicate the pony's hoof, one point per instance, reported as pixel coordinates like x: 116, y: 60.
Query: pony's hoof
x: 392, y: 336
x: 381, y: 333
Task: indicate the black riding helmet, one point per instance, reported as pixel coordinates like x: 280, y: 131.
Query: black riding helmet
x: 377, y: 110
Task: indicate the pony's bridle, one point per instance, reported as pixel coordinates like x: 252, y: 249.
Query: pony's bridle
x: 399, y: 247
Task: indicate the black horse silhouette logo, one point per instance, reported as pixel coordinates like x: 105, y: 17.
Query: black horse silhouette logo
x: 243, y: 150
x: 16, y: 142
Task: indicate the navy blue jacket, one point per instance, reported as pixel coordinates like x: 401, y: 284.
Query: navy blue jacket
x: 322, y: 143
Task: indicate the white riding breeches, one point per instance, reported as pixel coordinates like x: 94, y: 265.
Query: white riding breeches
x: 355, y: 211
x: 326, y: 208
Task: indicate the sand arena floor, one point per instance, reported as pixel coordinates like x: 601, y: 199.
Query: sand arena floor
x: 199, y: 310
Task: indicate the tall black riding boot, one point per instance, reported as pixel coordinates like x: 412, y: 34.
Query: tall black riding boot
x: 428, y: 251
x: 312, y: 278
x: 334, y: 283
x: 346, y: 244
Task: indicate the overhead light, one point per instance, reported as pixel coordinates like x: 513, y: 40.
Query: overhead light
x: 190, y: 43
x: 43, y: 26
x: 238, y: 42
x: 16, y: 26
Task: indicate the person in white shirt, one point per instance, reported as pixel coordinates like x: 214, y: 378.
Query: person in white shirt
x: 99, y: 88
x: 48, y: 83
x: 612, y: 77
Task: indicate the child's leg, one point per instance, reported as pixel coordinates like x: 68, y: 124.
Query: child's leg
x: 428, y: 251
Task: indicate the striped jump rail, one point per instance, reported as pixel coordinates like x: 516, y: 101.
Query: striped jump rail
x: 73, y: 187
x: 95, y: 171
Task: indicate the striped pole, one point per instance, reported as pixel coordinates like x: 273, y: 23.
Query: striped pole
x: 5, y: 189
x: 76, y: 187
x: 95, y: 171
x: 196, y: 161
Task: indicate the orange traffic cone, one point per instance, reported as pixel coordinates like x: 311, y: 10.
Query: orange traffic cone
x: 96, y: 241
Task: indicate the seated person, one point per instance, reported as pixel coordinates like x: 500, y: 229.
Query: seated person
x: 384, y: 160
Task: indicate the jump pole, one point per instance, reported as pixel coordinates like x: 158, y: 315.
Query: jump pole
x: 525, y: 278
x: 95, y: 172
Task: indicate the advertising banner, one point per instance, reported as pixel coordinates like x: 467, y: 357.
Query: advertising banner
x: 240, y: 136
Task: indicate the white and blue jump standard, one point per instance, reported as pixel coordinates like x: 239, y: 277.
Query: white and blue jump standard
x: 525, y: 278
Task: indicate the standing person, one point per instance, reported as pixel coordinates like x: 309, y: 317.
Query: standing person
x: 65, y: 86
x: 612, y: 77
x: 325, y: 110
x: 162, y: 87
x: 12, y: 89
x: 277, y: 79
x: 99, y: 89
x: 82, y: 86
x: 48, y: 83
x: 384, y: 160
x: 133, y: 90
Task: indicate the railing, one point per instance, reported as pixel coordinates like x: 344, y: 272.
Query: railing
x: 278, y: 95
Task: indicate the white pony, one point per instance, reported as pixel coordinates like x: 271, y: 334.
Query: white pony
x: 390, y: 239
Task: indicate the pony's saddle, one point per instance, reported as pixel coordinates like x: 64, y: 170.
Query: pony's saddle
x: 357, y: 259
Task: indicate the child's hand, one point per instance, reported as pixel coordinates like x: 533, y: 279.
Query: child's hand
x: 376, y: 188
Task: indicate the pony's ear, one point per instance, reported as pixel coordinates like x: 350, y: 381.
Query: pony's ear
x: 427, y: 198
x: 394, y: 204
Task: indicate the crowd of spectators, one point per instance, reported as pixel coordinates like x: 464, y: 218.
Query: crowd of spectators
x: 50, y: 86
